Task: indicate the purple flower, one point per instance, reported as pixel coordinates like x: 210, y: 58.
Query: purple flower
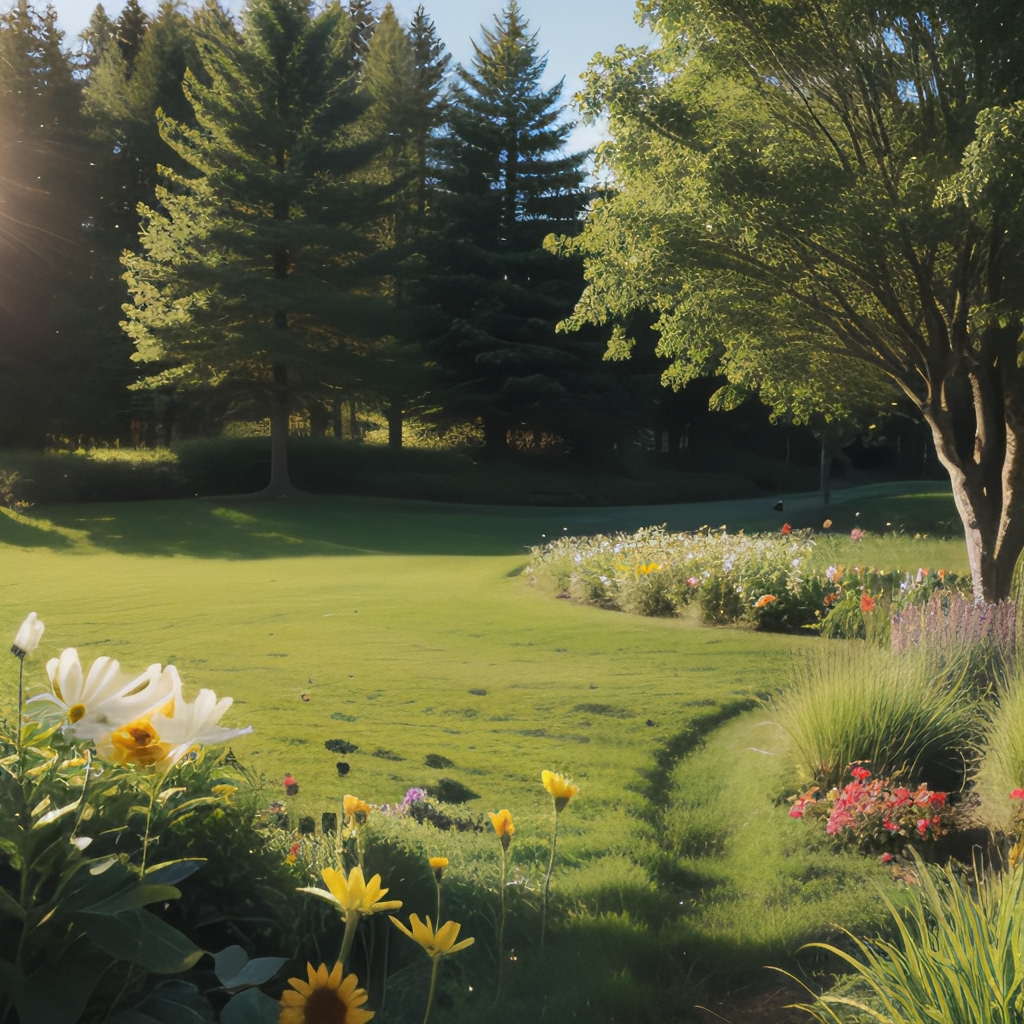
x: 413, y: 796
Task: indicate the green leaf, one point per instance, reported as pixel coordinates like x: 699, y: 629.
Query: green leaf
x: 140, y: 896
x: 173, y: 871
x: 58, y: 993
x: 251, y: 1007
x: 254, y: 972
x: 140, y: 937
x: 177, y: 1002
x: 229, y: 962
x: 9, y: 906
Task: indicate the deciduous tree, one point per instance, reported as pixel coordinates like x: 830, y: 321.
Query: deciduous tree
x: 820, y: 199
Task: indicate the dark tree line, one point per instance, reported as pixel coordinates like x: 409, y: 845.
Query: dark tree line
x: 309, y: 207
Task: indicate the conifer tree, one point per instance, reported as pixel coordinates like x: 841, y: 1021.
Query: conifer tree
x: 402, y: 74
x: 44, y: 170
x: 254, y: 268
x: 506, y: 182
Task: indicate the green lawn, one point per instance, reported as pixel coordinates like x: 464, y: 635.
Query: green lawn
x: 411, y: 632
x: 387, y: 616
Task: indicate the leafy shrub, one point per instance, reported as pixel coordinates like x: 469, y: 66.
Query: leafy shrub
x: 877, y: 814
x: 957, y: 959
x: 896, y: 713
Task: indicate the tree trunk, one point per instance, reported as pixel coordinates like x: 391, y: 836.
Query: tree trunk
x: 987, y: 483
x: 280, y: 485
x: 495, y: 435
x: 336, y: 418
x: 395, y: 423
x: 826, y: 466
x: 318, y: 419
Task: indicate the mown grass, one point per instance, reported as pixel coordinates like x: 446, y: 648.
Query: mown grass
x: 407, y: 627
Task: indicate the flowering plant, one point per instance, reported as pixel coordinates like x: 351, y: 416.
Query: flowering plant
x: 876, y: 813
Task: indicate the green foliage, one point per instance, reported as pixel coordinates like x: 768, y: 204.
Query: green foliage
x: 898, y: 713
x: 1002, y: 756
x: 800, y: 194
x: 957, y: 958
x: 505, y: 184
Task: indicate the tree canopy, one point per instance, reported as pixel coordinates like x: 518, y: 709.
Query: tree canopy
x: 814, y: 198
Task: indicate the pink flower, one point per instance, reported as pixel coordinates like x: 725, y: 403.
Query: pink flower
x: 797, y: 810
x: 922, y: 825
x: 1017, y: 794
x: 890, y: 826
x: 886, y: 858
x: 693, y: 582
x: 857, y: 534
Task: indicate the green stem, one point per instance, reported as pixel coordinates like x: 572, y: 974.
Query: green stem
x: 501, y: 929
x: 433, y: 985
x: 547, y: 883
x: 437, y: 921
x: 351, y: 926
x: 154, y: 791
x: 21, y: 701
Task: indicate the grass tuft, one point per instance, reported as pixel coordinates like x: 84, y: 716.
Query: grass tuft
x: 898, y: 713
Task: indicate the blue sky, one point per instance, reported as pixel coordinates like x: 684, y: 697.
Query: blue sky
x: 570, y: 31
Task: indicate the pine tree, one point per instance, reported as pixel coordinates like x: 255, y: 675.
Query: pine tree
x: 132, y: 24
x: 96, y: 37
x: 44, y: 170
x: 254, y: 269
x: 506, y: 182
x: 402, y: 75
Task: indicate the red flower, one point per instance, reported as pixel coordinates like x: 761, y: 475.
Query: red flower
x: 830, y: 599
x: 922, y: 825
x: 1017, y: 794
x: 860, y: 773
x: 886, y: 858
x: 786, y: 529
x: 867, y: 603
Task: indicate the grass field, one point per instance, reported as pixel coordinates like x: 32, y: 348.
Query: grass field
x: 408, y: 628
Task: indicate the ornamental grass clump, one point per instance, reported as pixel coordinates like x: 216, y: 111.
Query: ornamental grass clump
x: 897, y: 714
x: 1002, y: 752
x: 958, y: 958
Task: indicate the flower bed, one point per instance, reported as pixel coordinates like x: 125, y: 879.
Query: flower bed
x: 765, y: 579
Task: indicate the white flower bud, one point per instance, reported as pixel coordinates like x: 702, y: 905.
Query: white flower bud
x: 29, y: 635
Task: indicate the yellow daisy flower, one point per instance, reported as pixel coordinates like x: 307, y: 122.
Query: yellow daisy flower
x: 435, y: 943
x: 437, y: 865
x: 327, y: 998
x: 562, y: 789
x: 354, y: 892
x: 504, y: 827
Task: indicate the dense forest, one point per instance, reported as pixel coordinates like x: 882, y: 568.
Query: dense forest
x: 302, y: 217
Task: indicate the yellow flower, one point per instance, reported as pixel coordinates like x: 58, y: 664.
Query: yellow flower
x: 437, y: 865
x: 354, y: 892
x: 435, y: 944
x: 356, y: 810
x: 503, y: 826
x: 327, y: 998
x: 136, y: 743
x: 561, y: 788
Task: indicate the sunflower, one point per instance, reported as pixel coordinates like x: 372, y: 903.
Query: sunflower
x: 327, y: 998
x: 354, y: 892
x: 562, y: 789
x: 435, y: 943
